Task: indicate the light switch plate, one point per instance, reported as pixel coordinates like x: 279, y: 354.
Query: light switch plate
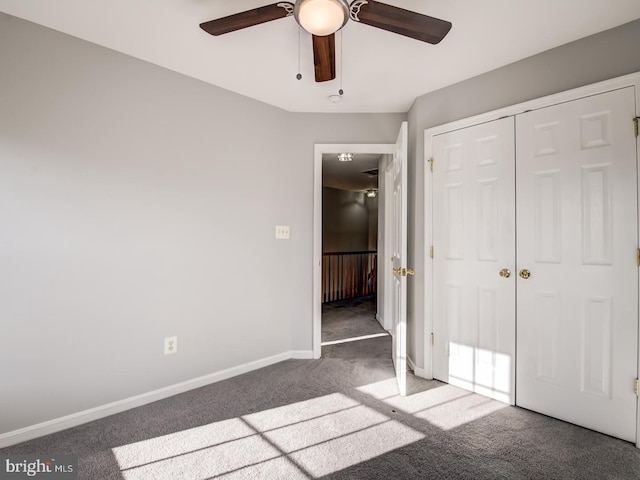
x: 282, y: 232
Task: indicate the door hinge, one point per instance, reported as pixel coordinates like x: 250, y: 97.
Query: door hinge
x: 431, y: 159
x: 638, y: 256
x: 433, y: 339
x: 403, y: 272
x: 635, y: 125
x: 431, y: 251
x: 637, y: 388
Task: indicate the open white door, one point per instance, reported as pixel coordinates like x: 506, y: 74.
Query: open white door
x: 399, y: 259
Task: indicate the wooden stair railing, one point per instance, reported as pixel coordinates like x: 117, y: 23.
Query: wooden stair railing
x: 348, y: 275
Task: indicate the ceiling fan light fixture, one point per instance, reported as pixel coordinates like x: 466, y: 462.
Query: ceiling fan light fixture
x: 321, y: 17
x: 345, y: 157
x: 371, y: 193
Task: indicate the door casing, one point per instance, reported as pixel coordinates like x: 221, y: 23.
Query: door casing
x: 319, y: 150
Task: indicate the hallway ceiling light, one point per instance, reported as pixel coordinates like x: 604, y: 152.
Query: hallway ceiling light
x: 345, y: 157
x: 371, y: 193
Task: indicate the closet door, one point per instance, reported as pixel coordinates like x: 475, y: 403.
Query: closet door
x: 577, y: 282
x: 474, y: 258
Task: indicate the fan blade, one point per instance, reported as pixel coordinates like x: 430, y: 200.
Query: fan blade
x: 249, y: 18
x: 324, y: 57
x: 400, y: 21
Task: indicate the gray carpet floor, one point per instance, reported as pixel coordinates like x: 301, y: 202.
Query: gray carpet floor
x: 339, y: 417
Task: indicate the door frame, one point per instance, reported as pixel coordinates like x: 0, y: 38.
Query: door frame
x: 318, y: 151
x: 542, y: 102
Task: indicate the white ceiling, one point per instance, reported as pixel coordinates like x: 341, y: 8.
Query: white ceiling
x: 383, y: 72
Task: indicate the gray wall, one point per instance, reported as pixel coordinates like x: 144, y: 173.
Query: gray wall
x: 136, y: 204
x: 610, y: 54
x: 347, y: 220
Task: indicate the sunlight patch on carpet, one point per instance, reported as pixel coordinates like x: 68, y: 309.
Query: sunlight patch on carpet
x: 306, y: 439
x: 348, y: 450
x: 460, y: 411
x: 320, y: 407
x: 354, y: 339
x: 380, y: 390
x: 447, y: 407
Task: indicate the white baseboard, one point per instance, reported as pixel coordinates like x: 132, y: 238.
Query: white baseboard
x: 302, y: 354
x: 411, y: 364
x: 418, y: 372
x: 85, y: 416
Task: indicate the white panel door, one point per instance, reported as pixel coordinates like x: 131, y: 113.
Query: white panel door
x: 577, y: 312
x: 399, y: 260
x: 474, y: 259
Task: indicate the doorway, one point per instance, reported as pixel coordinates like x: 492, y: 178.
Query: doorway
x: 397, y: 267
x: 351, y: 224
x: 330, y: 152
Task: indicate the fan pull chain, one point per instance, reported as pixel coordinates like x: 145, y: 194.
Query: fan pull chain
x: 299, y: 75
x: 341, y: 91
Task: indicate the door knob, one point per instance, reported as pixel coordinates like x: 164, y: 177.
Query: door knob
x: 397, y: 271
x: 505, y: 273
x: 525, y: 273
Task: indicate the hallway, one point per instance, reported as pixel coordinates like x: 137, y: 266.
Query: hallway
x: 350, y: 330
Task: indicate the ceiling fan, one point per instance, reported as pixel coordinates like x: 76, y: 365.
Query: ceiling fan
x: 322, y: 18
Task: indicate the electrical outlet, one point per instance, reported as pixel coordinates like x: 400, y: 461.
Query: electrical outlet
x: 170, y: 345
x: 282, y: 232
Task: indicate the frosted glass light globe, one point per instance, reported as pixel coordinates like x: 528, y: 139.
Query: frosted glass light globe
x: 321, y: 17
